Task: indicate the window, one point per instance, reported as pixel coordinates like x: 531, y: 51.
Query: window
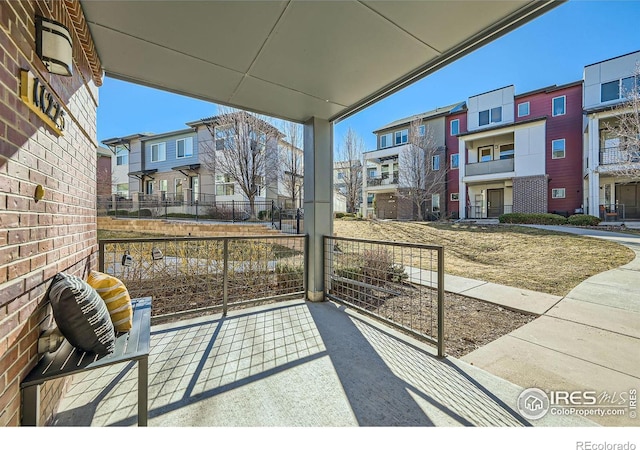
x: 178, y: 186
x: 401, y: 137
x: 610, y: 91
x: 454, y: 127
x: 372, y: 173
x: 523, y: 109
x: 558, y: 149
x: 506, y: 151
x: 559, y: 105
x: 488, y: 116
x: 163, y: 185
x: 225, y: 138
x: 435, y: 202
x: 224, y: 189
x: 151, y: 187
x: 455, y: 161
x: 122, y: 156
x: 385, y: 140
x: 158, y: 152
x: 122, y: 189
x: 485, y: 153
x: 184, y: 148
x: 421, y: 130
x: 435, y: 162
x: 340, y: 176
x: 617, y: 89
x: 558, y: 193
x: 455, y: 196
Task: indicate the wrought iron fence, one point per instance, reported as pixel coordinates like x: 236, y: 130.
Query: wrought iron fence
x: 482, y: 212
x: 288, y: 220
x: 399, y: 283
x: 194, y: 275
x: 169, y: 206
x: 612, y: 212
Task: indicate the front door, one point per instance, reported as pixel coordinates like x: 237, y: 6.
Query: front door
x: 495, y: 202
x: 629, y: 196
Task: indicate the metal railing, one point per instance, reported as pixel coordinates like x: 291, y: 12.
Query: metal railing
x: 398, y: 283
x: 617, y: 155
x: 288, y: 220
x: 482, y: 212
x: 612, y: 212
x: 383, y: 180
x: 187, y: 275
x: 169, y: 206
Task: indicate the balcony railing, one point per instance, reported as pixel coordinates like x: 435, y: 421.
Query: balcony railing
x: 489, y: 167
x: 480, y: 212
x: 617, y: 155
x: 612, y: 212
x: 397, y: 283
x: 194, y: 275
x: 383, y: 180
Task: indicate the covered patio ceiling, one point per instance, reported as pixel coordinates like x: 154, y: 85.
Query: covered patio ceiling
x: 293, y: 59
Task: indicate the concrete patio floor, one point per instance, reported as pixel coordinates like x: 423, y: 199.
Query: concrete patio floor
x: 295, y: 363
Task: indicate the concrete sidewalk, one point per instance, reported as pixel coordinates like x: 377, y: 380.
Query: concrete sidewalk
x: 587, y: 341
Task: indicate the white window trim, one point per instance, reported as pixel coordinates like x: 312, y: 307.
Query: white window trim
x: 389, y: 137
x: 457, y: 155
x: 403, y: 133
x: 164, y: 153
x: 175, y: 184
x: 555, y: 191
x: 435, y: 161
x: 455, y: 197
x: 433, y: 203
x: 185, y: 148
x: 421, y: 130
x: 564, y: 152
x: 451, y: 133
x: 491, y: 120
x: 528, y: 109
x: 564, y: 101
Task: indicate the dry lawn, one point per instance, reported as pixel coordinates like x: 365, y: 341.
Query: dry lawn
x: 516, y: 256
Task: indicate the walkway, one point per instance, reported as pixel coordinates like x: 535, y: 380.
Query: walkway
x: 590, y: 340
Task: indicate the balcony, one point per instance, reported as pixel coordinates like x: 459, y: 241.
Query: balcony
x: 619, y: 156
x: 383, y: 180
x: 489, y: 167
x: 288, y: 362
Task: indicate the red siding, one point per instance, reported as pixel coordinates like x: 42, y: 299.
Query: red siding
x: 566, y: 172
x: 451, y: 143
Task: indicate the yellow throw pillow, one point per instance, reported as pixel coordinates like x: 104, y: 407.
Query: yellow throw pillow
x: 116, y: 296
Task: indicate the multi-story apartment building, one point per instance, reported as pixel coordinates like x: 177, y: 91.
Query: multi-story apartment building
x: 517, y: 153
x: 611, y: 168
x: 180, y: 166
x: 384, y: 185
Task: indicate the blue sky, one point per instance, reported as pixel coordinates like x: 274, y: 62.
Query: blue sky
x: 552, y: 49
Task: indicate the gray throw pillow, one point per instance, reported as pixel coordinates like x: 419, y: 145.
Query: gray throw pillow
x: 81, y: 314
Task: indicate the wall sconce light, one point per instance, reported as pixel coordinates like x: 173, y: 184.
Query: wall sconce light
x: 54, y: 46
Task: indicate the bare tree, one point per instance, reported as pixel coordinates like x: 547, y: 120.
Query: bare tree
x: 422, y: 168
x: 244, y: 149
x: 622, y: 134
x: 349, y: 162
x: 292, y: 162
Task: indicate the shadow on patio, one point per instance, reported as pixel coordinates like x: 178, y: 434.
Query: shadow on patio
x: 291, y: 364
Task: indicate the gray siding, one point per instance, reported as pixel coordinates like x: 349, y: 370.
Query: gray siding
x: 171, y: 159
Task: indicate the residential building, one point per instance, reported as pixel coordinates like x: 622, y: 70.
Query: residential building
x: 180, y: 167
x: 610, y: 188
x: 104, y: 179
x: 518, y: 153
x: 385, y: 180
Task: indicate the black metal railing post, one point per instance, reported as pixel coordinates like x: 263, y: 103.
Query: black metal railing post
x: 233, y: 211
x: 298, y: 221
x: 441, y: 348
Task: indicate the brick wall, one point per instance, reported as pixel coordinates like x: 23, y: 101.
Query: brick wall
x: 58, y: 233
x: 530, y: 194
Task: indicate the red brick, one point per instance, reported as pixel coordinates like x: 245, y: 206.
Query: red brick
x: 18, y: 269
x: 38, y: 261
x: 9, y: 292
x: 9, y: 219
x: 8, y: 254
x: 18, y: 236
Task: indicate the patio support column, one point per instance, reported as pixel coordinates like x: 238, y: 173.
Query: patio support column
x: 462, y: 188
x: 594, y: 162
x: 318, y: 199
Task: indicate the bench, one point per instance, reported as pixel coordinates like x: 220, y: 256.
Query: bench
x: 67, y: 360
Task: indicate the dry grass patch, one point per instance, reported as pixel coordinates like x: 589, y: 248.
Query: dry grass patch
x: 523, y: 257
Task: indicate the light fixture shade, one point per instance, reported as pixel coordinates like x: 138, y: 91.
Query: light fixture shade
x: 54, y: 46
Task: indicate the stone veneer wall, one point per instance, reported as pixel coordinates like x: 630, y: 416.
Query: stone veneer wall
x: 530, y: 194
x: 57, y: 233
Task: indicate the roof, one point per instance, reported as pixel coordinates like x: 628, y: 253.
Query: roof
x: 442, y: 111
x: 124, y: 139
x: 295, y: 59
